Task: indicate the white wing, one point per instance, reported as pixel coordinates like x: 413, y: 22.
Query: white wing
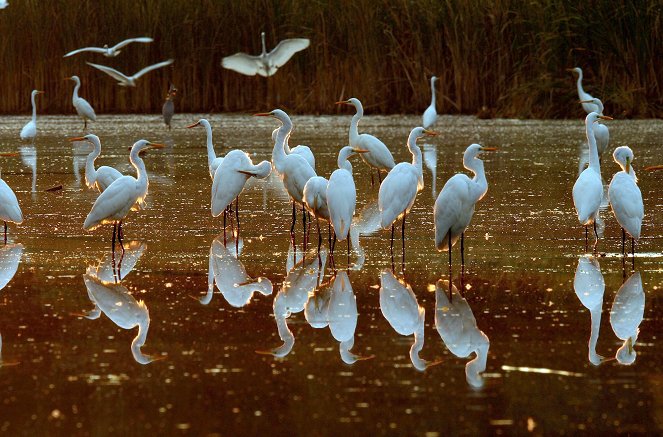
x: 126, y: 42
x: 243, y: 63
x: 86, y: 49
x: 152, y: 67
x: 286, y: 48
x: 111, y: 72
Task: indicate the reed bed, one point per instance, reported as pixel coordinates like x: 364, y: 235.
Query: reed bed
x: 495, y: 58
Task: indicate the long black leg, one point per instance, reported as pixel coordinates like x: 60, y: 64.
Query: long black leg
x: 633, y: 251
x: 403, y: 240
x: 5, y: 232
x: 379, y: 176
x: 623, y: 241
x: 391, y: 245
x: 317, y: 223
x: 225, y: 213
x: 348, y: 240
x: 237, y: 218
x: 586, y: 238
x: 596, y: 236
x: 449, y: 234
x: 372, y: 181
x: 84, y: 124
x: 304, y: 224
x: 113, y: 251
x: 462, y: 249
x: 292, y: 229
x: 120, y: 236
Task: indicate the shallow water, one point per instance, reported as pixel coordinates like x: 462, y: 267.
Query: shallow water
x: 519, y: 308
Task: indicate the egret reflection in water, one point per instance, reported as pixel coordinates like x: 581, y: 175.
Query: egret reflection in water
x: 114, y: 268
x: 29, y: 158
x: 626, y: 314
x: 399, y: 306
x: 430, y: 159
x: 458, y: 329
x: 229, y: 274
x: 589, y: 286
x: 10, y: 258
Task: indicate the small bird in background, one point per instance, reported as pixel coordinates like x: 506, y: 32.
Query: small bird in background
x: 124, y: 80
x: 29, y: 131
x: 109, y: 52
x: 83, y: 108
x: 168, y: 109
x: 265, y: 64
x: 430, y: 114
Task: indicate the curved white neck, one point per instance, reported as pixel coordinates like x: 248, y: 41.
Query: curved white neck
x: 278, y: 153
x: 139, y: 165
x: 475, y: 165
x: 579, y: 84
x: 286, y: 335
x: 432, y: 91
x: 417, y: 161
x: 343, y: 162
x: 354, y: 129
x: 595, y: 313
x: 34, y: 108
x: 139, y: 341
x: 76, y: 88
x: 418, y: 344
x: 593, y: 150
x: 90, y: 171
x: 211, y: 155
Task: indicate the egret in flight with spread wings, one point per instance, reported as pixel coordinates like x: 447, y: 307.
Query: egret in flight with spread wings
x: 378, y: 155
x: 454, y: 206
x: 29, y: 131
x: 588, y: 189
x: 265, y: 64
x: 124, y: 80
x: 430, y: 114
x: 400, y: 187
x: 102, y: 177
x: 582, y: 95
x: 83, y: 108
x: 625, y: 196
x: 213, y: 162
x: 110, y: 51
x: 125, y: 194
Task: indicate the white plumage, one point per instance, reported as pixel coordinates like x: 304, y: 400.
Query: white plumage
x: 265, y: 64
x: 231, y: 176
x: 83, y: 108
x: 110, y: 51
x: 213, y: 162
x: 624, y: 194
x: 103, y: 176
x: 124, y: 80
x: 582, y: 95
x: 626, y: 314
x: 589, y: 286
x: 301, y: 150
x: 29, y: 131
x: 430, y: 114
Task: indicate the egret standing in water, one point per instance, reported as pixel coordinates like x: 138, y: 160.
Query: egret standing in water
x: 265, y: 64
x: 83, y: 108
x: 213, y: 162
x: 301, y: 150
x: 588, y: 189
x: 123, y: 195
x: 29, y: 131
x: 582, y: 95
x: 9, y: 209
x: 102, y: 177
x: 400, y: 187
x: 626, y: 198
x: 455, y: 204
x: 430, y: 114
x: 378, y: 155
x: 168, y: 109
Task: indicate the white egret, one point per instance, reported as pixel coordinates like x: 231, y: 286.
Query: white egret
x: 29, y: 131
x: 455, y: 322
x: 301, y: 150
x: 582, y: 95
x: 229, y: 274
x: 114, y: 269
x: 103, y: 176
x: 3, y: 4
x: 123, y: 195
x: 83, y: 108
x: 9, y: 209
x: 213, y: 162
x: 110, y: 51
x: 265, y: 64
x: 293, y: 169
x: 399, y: 306
x: 124, y: 80
x: 625, y: 196
x: 589, y: 286
x: 626, y: 314
x: 430, y: 114
x: 588, y: 188
x: 378, y: 155
x: 29, y: 158
x: 119, y: 305
x: 168, y: 109
x: 400, y: 187
x: 601, y: 132
x: 10, y: 258
x: 230, y: 178
x: 454, y: 206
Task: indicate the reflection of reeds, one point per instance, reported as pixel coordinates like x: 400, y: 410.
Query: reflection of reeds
x: 506, y: 57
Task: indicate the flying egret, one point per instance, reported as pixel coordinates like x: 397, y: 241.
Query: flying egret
x: 29, y: 131
x: 454, y: 206
x: 378, y: 155
x: 430, y: 114
x: 400, y: 187
x: 213, y: 162
x: 626, y: 314
x: 124, y: 80
x: 625, y: 196
x: 110, y: 52
x: 588, y: 188
x: 293, y: 169
x: 457, y: 326
x: 265, y: 64
x: 582, y: 95
x: 121, y: 307
x: 301, y: 150
x: 589, y: 286
x: 123, y: 195
x: 83, y: 108
x: 601, y: 132
x: 399, y: 306
x: 168, y: 109
x: 9, y: 209
x: 230, y: 178
x: 103, y: 176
